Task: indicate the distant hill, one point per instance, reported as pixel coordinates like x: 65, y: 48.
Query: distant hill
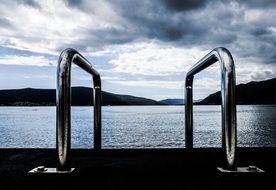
x: 172, y: 101
x: 263, y: 92
x: 176, y: 101
x: 81, y: 96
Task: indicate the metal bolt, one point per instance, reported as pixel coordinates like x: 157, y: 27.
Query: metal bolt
x: 252, y: 168
x: 40, y: 169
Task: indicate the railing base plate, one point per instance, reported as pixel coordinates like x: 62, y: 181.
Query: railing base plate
x: 249, y: 169
x: 42, y: 170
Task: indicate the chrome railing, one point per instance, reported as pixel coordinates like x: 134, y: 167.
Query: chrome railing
x: 228, y: 104
x: 63, y: 110
x: 63, y: 114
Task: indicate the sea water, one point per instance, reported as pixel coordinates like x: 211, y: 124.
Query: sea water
x: 136, y: 126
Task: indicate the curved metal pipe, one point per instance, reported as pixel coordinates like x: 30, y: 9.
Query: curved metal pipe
x: 228, y: 104
x: 63, y: 111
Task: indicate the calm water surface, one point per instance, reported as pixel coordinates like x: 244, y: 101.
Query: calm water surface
x: 136, y: 126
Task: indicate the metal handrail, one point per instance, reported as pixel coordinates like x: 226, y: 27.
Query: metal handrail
x: 63, y: 111
x: 228, y: 104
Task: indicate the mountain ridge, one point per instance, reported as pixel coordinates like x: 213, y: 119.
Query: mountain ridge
x: 254, y: 92
x: 81, y: 96
x: 172, y: 101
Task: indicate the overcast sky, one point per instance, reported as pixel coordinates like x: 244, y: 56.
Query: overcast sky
x: 142, y: 47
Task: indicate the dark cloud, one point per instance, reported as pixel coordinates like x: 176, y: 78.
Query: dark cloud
x: 6, y: 23
x: 255, y: 3
x: 98, y: 39
x: 272, y: 59
x: 170, y: 21
x: 178, y: 22
x: 204, y: 23
x: 112, y: 36
x: 174, y: 33
x: 30, y: 3
x: 75, y: 3
x: 83, y: 5
x: 273, y: 56
x: 259, y: 31
x: 178, y: 5
x: 152, y: 19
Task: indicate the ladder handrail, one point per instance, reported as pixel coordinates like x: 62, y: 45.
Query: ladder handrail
x: 228, y: 104
x: 63, y: 111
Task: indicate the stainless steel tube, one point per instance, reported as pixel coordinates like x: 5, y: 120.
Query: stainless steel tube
x: 228, y: 104
x: 63, y: 111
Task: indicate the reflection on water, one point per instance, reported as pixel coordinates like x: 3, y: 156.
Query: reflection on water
x: 256, y: 125
x: 136, y: 126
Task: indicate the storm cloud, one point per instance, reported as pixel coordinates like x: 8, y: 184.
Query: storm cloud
x: 121, y: 30
x: 247, y: 28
